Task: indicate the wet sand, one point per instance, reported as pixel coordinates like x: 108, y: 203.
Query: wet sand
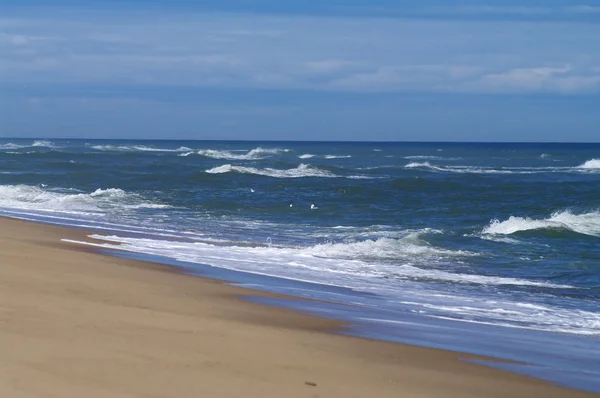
x: 75, y: 323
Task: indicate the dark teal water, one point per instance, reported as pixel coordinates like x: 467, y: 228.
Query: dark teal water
x: 496, y: 235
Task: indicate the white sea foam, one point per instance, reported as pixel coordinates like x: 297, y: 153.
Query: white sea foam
x: 29, y: 197
x: 310, y: 155
x: 414, y: 165
x: 103, y: 147
x: 489, y: 170
x: 465, y: 169
x: 593, y: 164
x: 11, y: 146
x: 44, y: 143
x: 585, y: 323
x: 501, y: 239
x: 331, y: 263
x: 408, y: 271
x: 253, y: 154
x: 424, y: 165
x: 366, y: 266
x: 385, y: 248
x: 586, y: 223
x: 36, y: 144
x: 303, y: 170
x: 152, y: 149
x: 133, y: 148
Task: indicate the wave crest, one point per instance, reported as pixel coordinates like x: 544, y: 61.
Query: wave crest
x: 253, y: 154
x: 34, y: 144
x: 314, y: 263
x: 303, y: 170
x: 12, y: 146
x: 133, y: 148
x: 310, y: 155
x: 384, y: 248
x: 425, y: 165
x: 592, y: 164
x: 27, y: 197
x: 586, y: 224
x: 44, y: 143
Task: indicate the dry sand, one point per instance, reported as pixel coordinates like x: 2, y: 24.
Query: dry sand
x: 79, y: 324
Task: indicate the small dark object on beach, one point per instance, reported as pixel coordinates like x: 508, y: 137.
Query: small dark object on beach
x: 310, y: 383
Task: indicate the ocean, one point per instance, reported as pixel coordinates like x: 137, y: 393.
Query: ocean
x: 485, y: 248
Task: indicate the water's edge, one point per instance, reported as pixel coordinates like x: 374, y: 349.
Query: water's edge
x: 538, y: 354
x: 460, y: 339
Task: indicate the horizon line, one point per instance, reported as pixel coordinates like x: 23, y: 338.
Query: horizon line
x: 302, y: 141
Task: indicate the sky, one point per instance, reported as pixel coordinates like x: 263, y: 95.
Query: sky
x: 383, y: 70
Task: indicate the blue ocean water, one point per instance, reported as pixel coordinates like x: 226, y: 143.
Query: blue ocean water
x: 445, y: 244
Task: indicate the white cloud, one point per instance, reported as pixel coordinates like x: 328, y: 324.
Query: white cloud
x: 523, y: 11
x: 524, y: 77
x: 392, y: 78
x: 356, y: 54
x: 330, y: 65
x: 17, y: 39
x: 584, y: 9
x: 518, y: 10
x: 248, y: 32
x: 540, y: 79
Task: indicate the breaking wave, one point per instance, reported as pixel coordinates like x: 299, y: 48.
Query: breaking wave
x: 44, y: 143
x: 593, y: 164
x: 11, y: 146
x: 253, y: 154
x: 152, y: 149
x: 27, y: 197
x: 132, y: 148
x: 342, y: 262
x: 586, y: 224
x: 303, y: 170
x: 310, y: 155
x: 415, y: 165
x: 34, y: 144
x: 337, y: 156
x: 385, y: 248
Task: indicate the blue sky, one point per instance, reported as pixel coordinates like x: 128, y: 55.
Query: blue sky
x: 486, y: 70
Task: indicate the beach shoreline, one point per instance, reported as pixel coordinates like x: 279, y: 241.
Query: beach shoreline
x: 75, y: 322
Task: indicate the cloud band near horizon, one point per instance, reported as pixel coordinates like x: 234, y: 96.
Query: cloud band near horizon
x: 300, y: 52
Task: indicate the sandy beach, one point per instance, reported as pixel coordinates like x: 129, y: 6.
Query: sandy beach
x: 74, y: 323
